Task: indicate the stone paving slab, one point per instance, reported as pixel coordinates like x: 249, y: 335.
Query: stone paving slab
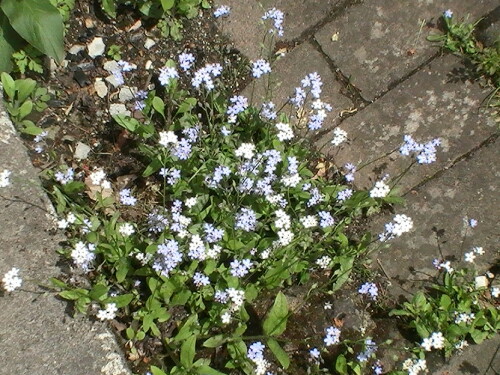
x: 432, y: 103
x: 37, y: 335
x: 468, y: 190
x: 301, y: 15
x: 379, y: 43
x: 290, y: 70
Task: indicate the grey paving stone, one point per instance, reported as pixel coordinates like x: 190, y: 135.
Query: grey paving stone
x: 301, y: 15
x: 435, y: 102
x: 37, y: 335
x: 290, y: 70
x: 440, y: 210
x: 243, y: 26
x: 381, y: 42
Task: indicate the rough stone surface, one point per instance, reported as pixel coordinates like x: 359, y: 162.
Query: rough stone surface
x: 381, y: 42
x: 96, y: 47
x: 435, y: 102
x: 37, y: 334
x: 440, y: 210
x: 243, y: 25
x: 301, y: 15
x: 290, y: 70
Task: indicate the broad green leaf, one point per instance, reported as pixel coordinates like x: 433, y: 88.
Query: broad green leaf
x: 275, y: 322
x: 58, y: 283
x: 157, y: 371
x: 25, y: 88
x: 126, y: 122
x: 159, y: 106
x: 445, y: 302
x: 25, y: 109
x: 214, y: 341
x: 110, y: 9
x: 478, y: 336
x: 8, y: 84
x: 122, y: 269
x: 207, y: 370
x: 10, y: 41
x: 341, y: 365
x: 98, y: 292
x: 279, y: 353
x: 188, y: 349
x: 39, y: 23
x: 122, y: 300
x: 188, y: 329
x: 167, y: 4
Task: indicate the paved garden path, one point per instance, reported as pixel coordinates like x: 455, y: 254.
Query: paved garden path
x: 384, y: 80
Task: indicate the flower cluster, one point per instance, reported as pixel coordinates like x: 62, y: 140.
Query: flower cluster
x: 370, y: 349
x: 108, y: 313
x: 436, y: 341
x: 83, y: 255
x: 260, y: 67
x: 221, y: 11
x: 11, y: 280
x: 471, y: 255
x: 369, y: 289
x: 415, y: 366
x: 380, y: 190
x: 206, y: 75
x: 256, y: 355
x: 400, y: 224
x: 126, y: 198
x: 277, y: 16
x: 332, y: 336
x: 425, y: 152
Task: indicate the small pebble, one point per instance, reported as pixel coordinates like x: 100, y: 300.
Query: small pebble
x: 96, y: 47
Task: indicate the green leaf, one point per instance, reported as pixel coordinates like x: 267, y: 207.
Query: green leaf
x: 73, y: 294
x: 9, y: 85
x: 10, y: 41
x: 341, y: 364
x: 58, y: 283
x: 25, y: 88
x: 159, y: 106
x: 275, y: 322
x: 188, y: 349
x: 279, y: 353
x: 122, y: 267
x: 157, y: 371
x: 445, y: 302
x: 207, y: 370
x: 98, y: 292
x: 188, y: 329
x: 39, y: 23
x: 167, y: 4
x: 25, y: 109
x: 214, y: 341
x: 126, y: 122
x: 478, y: 336
x: 122, y: 300
x: 110, y: 9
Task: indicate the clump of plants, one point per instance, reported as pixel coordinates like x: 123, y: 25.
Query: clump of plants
x: 193, y: 259
x: 459, y: 37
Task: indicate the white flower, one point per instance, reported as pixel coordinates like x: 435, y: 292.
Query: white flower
x: 427, y: 344
x: 339, y: 136
x: 11, y: 281
x: 97, y: 177
x: 190, y: 202
x: 167, y: 138
x: 221, y: 11
x: 108, y: 313
x: 309, y: 221
x: 469, y: 257
x: 126, y: 229
x: 285, y: 237
x: 481, y: 282
x: 226, y: 317
x: 291, y: 180
x: 380, y: 190
x: 324, y: 262
x: 285, y: 131
x: 246, y: 150
x: 437, y: 340
x: 495, y: 292
x: 4, y: 178
x: 478, y: 250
